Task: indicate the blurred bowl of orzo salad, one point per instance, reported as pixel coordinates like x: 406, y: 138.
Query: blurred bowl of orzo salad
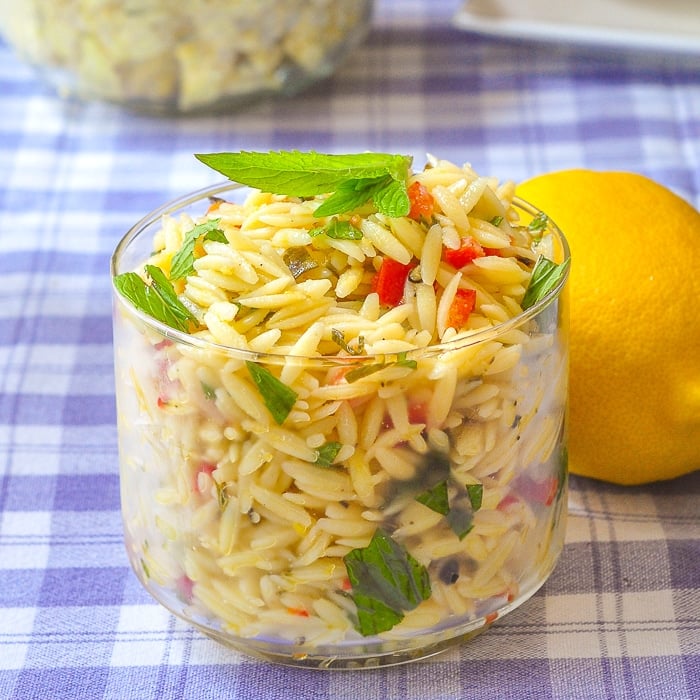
x: 170, y: 58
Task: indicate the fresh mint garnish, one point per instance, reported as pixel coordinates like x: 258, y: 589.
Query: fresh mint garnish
x: 339, y: 230
x: 299, y: 261
x: 327, y: 453
x: 461, y: 521
x: 386, y: 582
x: 538, y: 225
x: 403, y: 361
x: 351, y: 180
x: 183, y: 261
x: 436, y: 498
x: 476, y: 495
x: 157, y: 299
x: 365, y: 370
x: 546, y: 275
x: 208, y: 391
x: 338, y: 338
x: 278, y: 397
x: 458, y: 511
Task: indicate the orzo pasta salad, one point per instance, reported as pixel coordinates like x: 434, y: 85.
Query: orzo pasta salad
x: 342, y: 395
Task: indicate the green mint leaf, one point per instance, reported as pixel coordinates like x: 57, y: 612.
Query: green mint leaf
x: 208, y: 391
x: 461, y: 520
x: 391, y: 199
x: 338, y: 338
x: 436, y: 498
x: 385, y: 578
x: 158, y: 300
x: 363, y: 371
x: 538, y: 225
x: 161, y: 284
x: 340, y: 230
x: 299, y: 261
x: 327, y: 453
x: 222, y: 496
x: 278, y: 397
x: 373, y: 616
x: 402, y: 361
x: 304, y: 174
x: 350, y: 195
x: 546, y: 275
x: 476, y: 495
x: 183, y: 261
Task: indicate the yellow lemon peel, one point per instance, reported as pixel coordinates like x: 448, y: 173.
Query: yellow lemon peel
x: 635, y: 325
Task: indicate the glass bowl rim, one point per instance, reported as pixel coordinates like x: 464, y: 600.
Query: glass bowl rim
x: 475, y: 338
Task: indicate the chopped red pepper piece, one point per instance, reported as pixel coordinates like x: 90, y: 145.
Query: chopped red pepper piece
x: 390, y: 280
x: 543, y: 492
x: 470, y: 249
x: 417, y: 412
x: 491, y: 617
x: 463, y: 304
x: 298, y: 611
x: 422, y: 202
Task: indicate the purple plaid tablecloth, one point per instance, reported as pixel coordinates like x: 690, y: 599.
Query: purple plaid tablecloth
x: 620, y: 616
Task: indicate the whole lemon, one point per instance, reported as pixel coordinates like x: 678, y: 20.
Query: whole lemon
x: 635, y: 323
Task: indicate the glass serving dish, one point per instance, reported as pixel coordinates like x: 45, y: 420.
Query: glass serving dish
x: 169, y: 58
x: 439, y: 474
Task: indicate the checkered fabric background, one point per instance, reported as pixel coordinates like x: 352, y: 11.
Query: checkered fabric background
x: 620, y: 616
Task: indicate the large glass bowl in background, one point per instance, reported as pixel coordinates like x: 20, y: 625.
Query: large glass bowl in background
x: 166, y: 57
x: 233, y: 524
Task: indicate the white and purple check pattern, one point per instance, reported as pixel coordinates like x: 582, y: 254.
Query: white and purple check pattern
x: 620, y: 616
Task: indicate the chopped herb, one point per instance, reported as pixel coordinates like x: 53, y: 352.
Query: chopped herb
x: 338, y: 338
x: 459, y: 513
x: 461, y: 520
x: 278, y: 397
x: 183, y: 261
x: 299, y: 261
x: 208, y: 391
x: 157, y: 299
x: 538, y: 225
x: 391, y: 198
x: 496, y: 221
x: 338, y: 230
x: 221, y: 495
x: 363, y: 371
x: 476, y: 495
x: 351, y: 179
x: 436, y: 498
x: 546, y: 275
x: 402, y: 361
x: 351, y: 195
x: 386, y: 582
x: 146, y: 572
x: 327, y: 454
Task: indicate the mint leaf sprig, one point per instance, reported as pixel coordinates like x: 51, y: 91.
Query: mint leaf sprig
x: 386, y: 583
x: 351, y: 179
x: 157, y: 299
x: 183, y: 261
x: 546, y: 275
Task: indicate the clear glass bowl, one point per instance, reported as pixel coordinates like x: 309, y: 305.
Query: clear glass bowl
x: 165, y: 57
x: 255, y: 555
